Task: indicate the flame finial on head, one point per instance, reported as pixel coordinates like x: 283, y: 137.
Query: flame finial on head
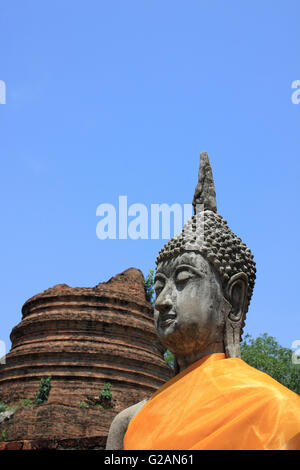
x: 205, y: 194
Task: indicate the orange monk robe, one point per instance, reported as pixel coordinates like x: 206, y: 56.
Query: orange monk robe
x: 218, y: 403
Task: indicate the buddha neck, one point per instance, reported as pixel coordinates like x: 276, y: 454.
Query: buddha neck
x: 185, y: 361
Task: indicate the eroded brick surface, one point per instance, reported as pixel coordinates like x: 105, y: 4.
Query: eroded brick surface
x: 83, y: 338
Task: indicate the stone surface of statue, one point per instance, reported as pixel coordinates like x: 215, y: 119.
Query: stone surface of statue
x: 203, y: 283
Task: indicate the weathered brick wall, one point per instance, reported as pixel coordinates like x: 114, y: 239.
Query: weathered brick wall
x: 55, y: 425
x: 83, y: 338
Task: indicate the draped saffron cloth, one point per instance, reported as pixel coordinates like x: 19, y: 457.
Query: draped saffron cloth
x: 218, y: 403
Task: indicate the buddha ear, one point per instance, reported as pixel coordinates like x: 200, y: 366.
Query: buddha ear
x: 236, y: 293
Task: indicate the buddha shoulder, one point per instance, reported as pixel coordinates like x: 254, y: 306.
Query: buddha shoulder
x: 120, y: 424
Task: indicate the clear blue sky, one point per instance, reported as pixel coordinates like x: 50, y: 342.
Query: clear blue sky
x: 109, y: 98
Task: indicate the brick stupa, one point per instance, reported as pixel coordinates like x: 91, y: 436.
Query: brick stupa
x: 82, y: 338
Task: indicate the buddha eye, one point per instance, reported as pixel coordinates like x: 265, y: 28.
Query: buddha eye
x: 183, y: 276
x: 158, y: 286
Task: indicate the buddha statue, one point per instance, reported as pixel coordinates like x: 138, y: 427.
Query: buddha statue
x: 203, y: 283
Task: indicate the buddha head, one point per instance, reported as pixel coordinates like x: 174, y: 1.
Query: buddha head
x: 204, y: 281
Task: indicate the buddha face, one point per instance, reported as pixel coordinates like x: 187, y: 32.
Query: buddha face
x: 188, y: 309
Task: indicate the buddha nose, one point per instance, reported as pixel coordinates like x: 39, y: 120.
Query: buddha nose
x: 163, y: 302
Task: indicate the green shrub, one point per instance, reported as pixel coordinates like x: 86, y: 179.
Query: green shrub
x: 106, y: 396
x: 83, y: 404
x: 25, y: 402
x: 169, y: 358
x: 149, y: 286
x: 3, y: 435
x: 44, y: 389
x: 106, y: 392
x: 3, y: 407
